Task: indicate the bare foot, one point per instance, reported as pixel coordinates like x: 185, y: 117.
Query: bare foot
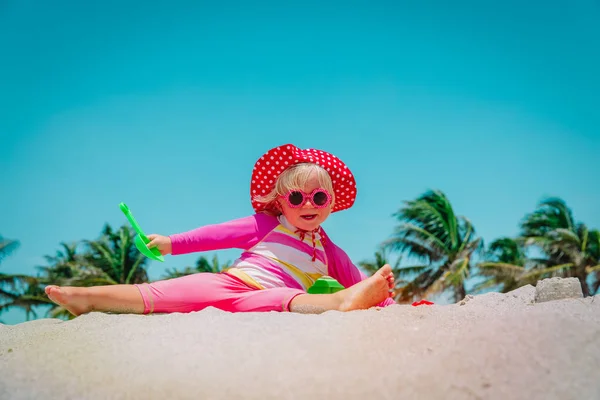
x: 73, y: 299
x: 369, y: 292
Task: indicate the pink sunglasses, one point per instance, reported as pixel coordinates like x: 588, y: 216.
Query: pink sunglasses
x: 319, y: 198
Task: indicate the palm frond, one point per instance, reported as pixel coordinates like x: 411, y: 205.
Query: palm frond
x: 465, y: 239
x: 432, y: 212
x: 589, y: 270
x: 428, y: 238
x: 7, y: 247
x: 487, y: 284
x: 506, y: 250
x: 502, y: 268
x: 566, y: 237
x: 59, y: 312
x: 412, y: 248
x: 436, y: 286
x: 545, y: 271
x: 419, y: 286
x: 410, y: 270
x: 458, y: 272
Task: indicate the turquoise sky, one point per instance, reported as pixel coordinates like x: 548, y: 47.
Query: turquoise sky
x: 166, y: 106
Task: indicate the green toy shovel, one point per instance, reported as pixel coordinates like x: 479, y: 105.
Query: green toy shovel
x: 141, y: 240
x: 325, y: 285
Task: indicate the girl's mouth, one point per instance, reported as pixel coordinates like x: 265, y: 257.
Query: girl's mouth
x: 309, y: 217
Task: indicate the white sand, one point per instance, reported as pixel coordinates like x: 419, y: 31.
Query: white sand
x: 493, y: 347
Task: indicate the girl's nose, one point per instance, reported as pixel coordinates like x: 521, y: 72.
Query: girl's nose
x: 308, y: 204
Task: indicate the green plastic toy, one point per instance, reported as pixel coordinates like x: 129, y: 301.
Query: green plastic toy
x: 325, y: 285
x: 141, y: 240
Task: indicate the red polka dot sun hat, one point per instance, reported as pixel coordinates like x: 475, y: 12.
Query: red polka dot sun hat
x: 268, y: 168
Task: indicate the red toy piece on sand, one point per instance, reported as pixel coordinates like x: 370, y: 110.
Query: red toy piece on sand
x: 422, y: 302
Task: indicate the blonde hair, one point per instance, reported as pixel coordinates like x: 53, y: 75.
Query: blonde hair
x: 295, y: 178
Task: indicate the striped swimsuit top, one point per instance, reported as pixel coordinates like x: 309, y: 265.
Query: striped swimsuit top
x: 284, y: 257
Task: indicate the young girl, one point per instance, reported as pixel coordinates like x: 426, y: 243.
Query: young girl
x: 293, y: 191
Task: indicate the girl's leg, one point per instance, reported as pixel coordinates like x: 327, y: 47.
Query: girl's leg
x: 223, y: 291
x: 198, y: 291
x: 185, y: 294
x: 111, y: 298
x: 228, y: 293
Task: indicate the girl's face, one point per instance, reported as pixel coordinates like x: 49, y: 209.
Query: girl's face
x: 307, y: 217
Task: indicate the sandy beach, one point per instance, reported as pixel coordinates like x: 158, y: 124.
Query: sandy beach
x: 491, y: 346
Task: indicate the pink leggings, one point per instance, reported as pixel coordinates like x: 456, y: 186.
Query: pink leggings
x: 226, y: 292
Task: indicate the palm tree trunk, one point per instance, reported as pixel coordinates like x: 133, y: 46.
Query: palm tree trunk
x: 596, y: 287
x: 582, y: 275
x: 459, y: 292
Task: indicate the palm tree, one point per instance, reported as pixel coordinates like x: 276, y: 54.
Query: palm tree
x: 18, y: 290
x: 505, y: 267
x: 9, y: 283
x: 113, y: 259
x: 593, y: 247
x: 109, y: 260
x: 570, y: 248
x: 202, y: 265
x: 65, y: 268
x: 7, y: 246
x: 430, y: 231
x: 28, y: 297
x: 64, y: 265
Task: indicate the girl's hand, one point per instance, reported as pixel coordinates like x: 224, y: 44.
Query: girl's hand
x: 162, y: 243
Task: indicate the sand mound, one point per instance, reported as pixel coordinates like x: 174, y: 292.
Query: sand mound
x: 493, y: 346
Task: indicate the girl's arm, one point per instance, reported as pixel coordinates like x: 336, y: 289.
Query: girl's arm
x: 241, y: 233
